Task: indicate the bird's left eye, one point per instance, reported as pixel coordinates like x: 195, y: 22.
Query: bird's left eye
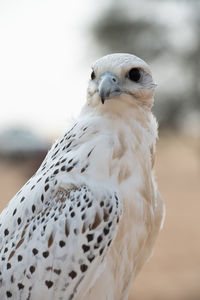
x: 134, y: 74
x: 93, y: 75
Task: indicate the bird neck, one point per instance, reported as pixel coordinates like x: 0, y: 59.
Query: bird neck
x: 122, y: 110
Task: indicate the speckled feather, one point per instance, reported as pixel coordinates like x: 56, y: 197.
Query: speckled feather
x: 85, y: 223
x: 53, y: 213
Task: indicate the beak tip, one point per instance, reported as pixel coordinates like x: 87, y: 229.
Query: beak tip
x: 109, y: 86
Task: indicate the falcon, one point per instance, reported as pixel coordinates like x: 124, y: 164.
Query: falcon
x: 83, y: 226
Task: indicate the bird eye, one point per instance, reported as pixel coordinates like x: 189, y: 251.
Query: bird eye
x: 93, y: 75
x: 134, y: 74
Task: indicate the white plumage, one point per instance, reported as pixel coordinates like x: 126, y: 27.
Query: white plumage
x: 86, y: 222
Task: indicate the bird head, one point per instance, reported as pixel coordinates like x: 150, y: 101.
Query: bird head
x: 120, y: 77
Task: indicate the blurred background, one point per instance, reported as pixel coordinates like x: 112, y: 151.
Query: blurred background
x: 46, y: 51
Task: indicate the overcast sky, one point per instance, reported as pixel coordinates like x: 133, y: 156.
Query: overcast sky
x: 46, y: 50
x: 45, y: 57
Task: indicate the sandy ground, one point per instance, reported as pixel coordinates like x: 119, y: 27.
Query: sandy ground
x: 173, y: 273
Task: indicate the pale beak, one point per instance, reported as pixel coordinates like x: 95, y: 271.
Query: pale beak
x: 109, y: 86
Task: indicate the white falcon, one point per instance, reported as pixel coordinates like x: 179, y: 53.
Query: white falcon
x: 82, y: 227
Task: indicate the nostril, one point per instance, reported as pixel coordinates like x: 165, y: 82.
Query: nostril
x: 114, y: 79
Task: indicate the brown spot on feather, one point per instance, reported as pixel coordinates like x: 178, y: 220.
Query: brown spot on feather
x: 97, y: 221
x: 11, y: 254
x: 121, y: 149
x: 124, y: 174
x: 20, y: 243
x: 66, y: 229
x: 50, y: 241
x: 83, y: 228
x: 105, y: 215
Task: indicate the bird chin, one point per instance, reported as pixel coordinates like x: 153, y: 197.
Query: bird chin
x: 122, y: 98
x: 112, y: 95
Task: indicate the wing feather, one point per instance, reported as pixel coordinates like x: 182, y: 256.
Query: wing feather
x: 64, y: 245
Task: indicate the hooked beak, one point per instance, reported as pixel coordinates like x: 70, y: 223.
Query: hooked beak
x: 109, y: 86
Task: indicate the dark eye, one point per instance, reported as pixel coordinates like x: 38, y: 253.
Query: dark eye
x: 93, y: 75
x: 134, y: 74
